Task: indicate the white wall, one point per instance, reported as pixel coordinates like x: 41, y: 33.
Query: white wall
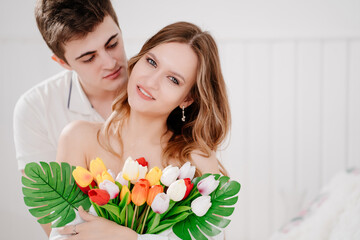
x: 293, y: 74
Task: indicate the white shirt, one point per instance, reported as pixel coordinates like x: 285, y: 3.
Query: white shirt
x: 43, y: 111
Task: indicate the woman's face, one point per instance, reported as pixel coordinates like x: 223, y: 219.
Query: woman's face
x: 161, y: 80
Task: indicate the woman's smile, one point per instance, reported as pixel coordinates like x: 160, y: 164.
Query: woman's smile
x: 144, y: 94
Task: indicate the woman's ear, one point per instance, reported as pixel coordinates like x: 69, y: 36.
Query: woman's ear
x: 61, y: 62
x: 187, y: 102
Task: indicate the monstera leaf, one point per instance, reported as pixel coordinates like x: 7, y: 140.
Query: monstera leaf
x: 51, y: 192
x: 214, y: 220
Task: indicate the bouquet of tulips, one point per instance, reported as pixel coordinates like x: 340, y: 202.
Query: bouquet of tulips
x: 148, y: 201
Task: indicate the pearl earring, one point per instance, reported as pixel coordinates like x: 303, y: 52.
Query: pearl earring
x: 183, y: 114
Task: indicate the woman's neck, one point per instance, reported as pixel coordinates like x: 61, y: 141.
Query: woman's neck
x: 140, y: 128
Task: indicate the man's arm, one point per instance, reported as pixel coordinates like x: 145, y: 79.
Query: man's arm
x: 31, y: 139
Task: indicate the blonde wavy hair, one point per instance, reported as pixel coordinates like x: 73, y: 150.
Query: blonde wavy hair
x: 207, y: 118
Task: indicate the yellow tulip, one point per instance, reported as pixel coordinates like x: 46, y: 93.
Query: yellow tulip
x: 82, y: 176
x: 154, y: 176
x: 104, y: 176
x: 125, y: 190
x: 97, y: 167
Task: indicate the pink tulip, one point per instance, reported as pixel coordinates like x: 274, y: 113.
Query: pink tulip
x: 110, y: 187
x: 169, y: 175
x: 187, y: 171
x: 201, y: 205
x: 112, y: 174
x: 207, y: 185
x: 121, y: 180
x: 160, y: 203
x: 177, y: 190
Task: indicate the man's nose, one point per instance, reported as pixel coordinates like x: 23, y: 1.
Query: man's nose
x: 108, y: 61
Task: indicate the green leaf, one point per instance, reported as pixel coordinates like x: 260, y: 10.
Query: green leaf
x: 214, y: 220
x: 166, y: 224
x: 154, y: 222
x: 114, y: 212
x: 130, y: 210
x: 51, y: 192
x: 177, y: 210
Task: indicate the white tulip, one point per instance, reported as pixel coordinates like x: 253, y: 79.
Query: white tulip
x: 201, y: 205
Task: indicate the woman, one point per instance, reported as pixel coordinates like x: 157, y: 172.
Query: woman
x: 175, y: 110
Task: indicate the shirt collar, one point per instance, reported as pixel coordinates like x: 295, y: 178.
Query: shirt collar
x: 77, y: 99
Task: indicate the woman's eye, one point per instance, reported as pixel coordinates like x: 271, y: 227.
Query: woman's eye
x: 151, y: 61
x: 113, y: 45
x: 90, y: 59
x: 174, y: 80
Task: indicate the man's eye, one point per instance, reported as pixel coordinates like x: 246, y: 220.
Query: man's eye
x: 113, y: 45
x: 90, y: 59
x: 174, y: 80
x: 151, y: 61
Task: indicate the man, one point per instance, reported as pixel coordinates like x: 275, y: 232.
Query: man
x: 86, y: 40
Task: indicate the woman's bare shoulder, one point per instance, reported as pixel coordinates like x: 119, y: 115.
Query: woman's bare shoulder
x: 81, y: 129
x: 206, y: 164
x: 76, y: 140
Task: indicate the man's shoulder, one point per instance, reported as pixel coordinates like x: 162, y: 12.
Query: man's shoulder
x: 56, y: 86
x: 52, y: 91
x: 57, y: 83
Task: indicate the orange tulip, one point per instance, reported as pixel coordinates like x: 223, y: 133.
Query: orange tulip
x: 82, y: 176
x: 154, y: 190
x: 140, y: 192
x: 97, y: 167
x: 123, y: 192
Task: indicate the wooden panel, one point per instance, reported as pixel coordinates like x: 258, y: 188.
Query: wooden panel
x: 233, y: 65
x: 354, y: 105
x: 258, y: 138
x: 334, y: 110
x: 308, y: 133
x: 283, y: 117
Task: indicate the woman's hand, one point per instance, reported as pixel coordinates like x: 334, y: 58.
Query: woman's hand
x: 96, y: 228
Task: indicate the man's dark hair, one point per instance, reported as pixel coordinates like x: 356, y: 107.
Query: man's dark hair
x: 62, y: 20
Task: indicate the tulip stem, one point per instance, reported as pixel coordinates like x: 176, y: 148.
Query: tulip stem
x: 142, y: 217
x: 146, y: 215
x: 134, y: 215
x: 126, y: 215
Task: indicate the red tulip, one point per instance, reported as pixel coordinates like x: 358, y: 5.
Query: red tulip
x: 189, y: 186
x: 142, y: 162
x: 99, y: 196
x: 87, y: 188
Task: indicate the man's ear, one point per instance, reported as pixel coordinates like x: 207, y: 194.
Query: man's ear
x: 187, y: 102
x: 61, y: 62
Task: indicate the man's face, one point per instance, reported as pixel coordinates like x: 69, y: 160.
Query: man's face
x: 99, y: 58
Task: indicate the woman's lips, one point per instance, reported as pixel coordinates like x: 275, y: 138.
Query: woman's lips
x: 114, y: 74
x: 144, y: 94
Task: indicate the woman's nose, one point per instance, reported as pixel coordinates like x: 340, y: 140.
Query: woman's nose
x: 153, y: 79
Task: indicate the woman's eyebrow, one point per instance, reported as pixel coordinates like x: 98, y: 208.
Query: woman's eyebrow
x: 172, y: 72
